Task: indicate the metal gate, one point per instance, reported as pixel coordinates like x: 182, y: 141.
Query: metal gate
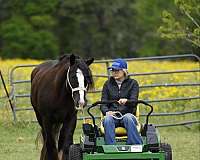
x: 18, y: 94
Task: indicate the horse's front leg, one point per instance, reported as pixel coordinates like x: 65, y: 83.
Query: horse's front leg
x: 50, y: 143
x: 66, y: 136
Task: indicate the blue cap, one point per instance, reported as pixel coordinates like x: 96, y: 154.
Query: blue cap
x: 118, y: 64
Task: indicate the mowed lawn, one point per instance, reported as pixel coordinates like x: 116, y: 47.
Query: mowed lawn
x: 17, y: 142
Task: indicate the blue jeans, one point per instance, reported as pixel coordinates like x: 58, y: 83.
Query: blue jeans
x: 130, y: 124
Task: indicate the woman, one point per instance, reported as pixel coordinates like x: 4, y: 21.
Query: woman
x: 120, y: 87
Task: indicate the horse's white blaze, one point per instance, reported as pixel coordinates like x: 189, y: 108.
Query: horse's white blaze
x: 80, y: 78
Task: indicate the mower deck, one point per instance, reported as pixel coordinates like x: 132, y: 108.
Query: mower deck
x: 119, y: 156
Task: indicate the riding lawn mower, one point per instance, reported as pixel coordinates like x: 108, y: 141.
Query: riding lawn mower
x: 92, y: 144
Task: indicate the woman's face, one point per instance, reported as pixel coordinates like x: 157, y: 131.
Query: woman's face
x: 118, y: 74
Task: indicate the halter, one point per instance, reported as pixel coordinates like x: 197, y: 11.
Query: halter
x: 74, y: 89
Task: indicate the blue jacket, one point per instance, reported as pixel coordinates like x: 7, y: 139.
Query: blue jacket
x: 129, y: 89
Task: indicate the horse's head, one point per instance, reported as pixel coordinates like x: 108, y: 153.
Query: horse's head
x: 79, y: 79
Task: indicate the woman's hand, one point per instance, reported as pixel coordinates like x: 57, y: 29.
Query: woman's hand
x: 122, y: 101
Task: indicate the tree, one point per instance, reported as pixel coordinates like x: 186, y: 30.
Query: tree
x: 26, y: 29
x: 20, y: 40
x: 187, y: 27
x: 99, y: 28
x: 148, y: 19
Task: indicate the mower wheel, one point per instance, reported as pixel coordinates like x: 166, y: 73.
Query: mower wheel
x: 75, y: 152
x: 167, y: 149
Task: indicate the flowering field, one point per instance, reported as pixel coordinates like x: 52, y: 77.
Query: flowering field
x: 134, y: 67
x: 185, y: 145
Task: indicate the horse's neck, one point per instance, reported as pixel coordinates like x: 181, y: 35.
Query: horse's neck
x: 61, y: 76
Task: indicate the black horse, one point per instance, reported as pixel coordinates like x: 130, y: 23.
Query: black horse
x: 58, y: 90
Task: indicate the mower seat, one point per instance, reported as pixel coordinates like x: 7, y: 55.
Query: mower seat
x: 121, y: 131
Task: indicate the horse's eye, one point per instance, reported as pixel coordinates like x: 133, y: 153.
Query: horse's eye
x: 73, y: 76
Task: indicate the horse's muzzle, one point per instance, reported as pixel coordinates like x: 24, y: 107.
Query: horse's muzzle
x: 80, y: 106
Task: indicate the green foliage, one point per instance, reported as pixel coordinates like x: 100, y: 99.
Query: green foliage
x: 39, y: 7
x: 100, y: 28
x: 147, y: 20
x: 26, y: 29
x: 44, y: 21
x: 174, y: 28
x: 21, y: 40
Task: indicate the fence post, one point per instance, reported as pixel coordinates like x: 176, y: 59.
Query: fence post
x: 7, y: 94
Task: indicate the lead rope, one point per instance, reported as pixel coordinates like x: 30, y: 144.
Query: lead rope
x: 121, y: 116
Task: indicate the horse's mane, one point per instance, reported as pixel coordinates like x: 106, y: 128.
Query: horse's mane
x: 87, y: 73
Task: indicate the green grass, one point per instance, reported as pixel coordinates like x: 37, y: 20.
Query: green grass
x: 185, y: 142
x: 17, y: 142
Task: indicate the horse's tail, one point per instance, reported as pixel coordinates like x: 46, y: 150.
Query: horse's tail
x: 39, y: 138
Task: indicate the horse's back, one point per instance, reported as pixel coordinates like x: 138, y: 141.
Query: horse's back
x: 43, y: 67
x: 42, y: 81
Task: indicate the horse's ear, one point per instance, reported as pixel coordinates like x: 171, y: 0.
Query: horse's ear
x: 89, y: 61
x: 72, y: 59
